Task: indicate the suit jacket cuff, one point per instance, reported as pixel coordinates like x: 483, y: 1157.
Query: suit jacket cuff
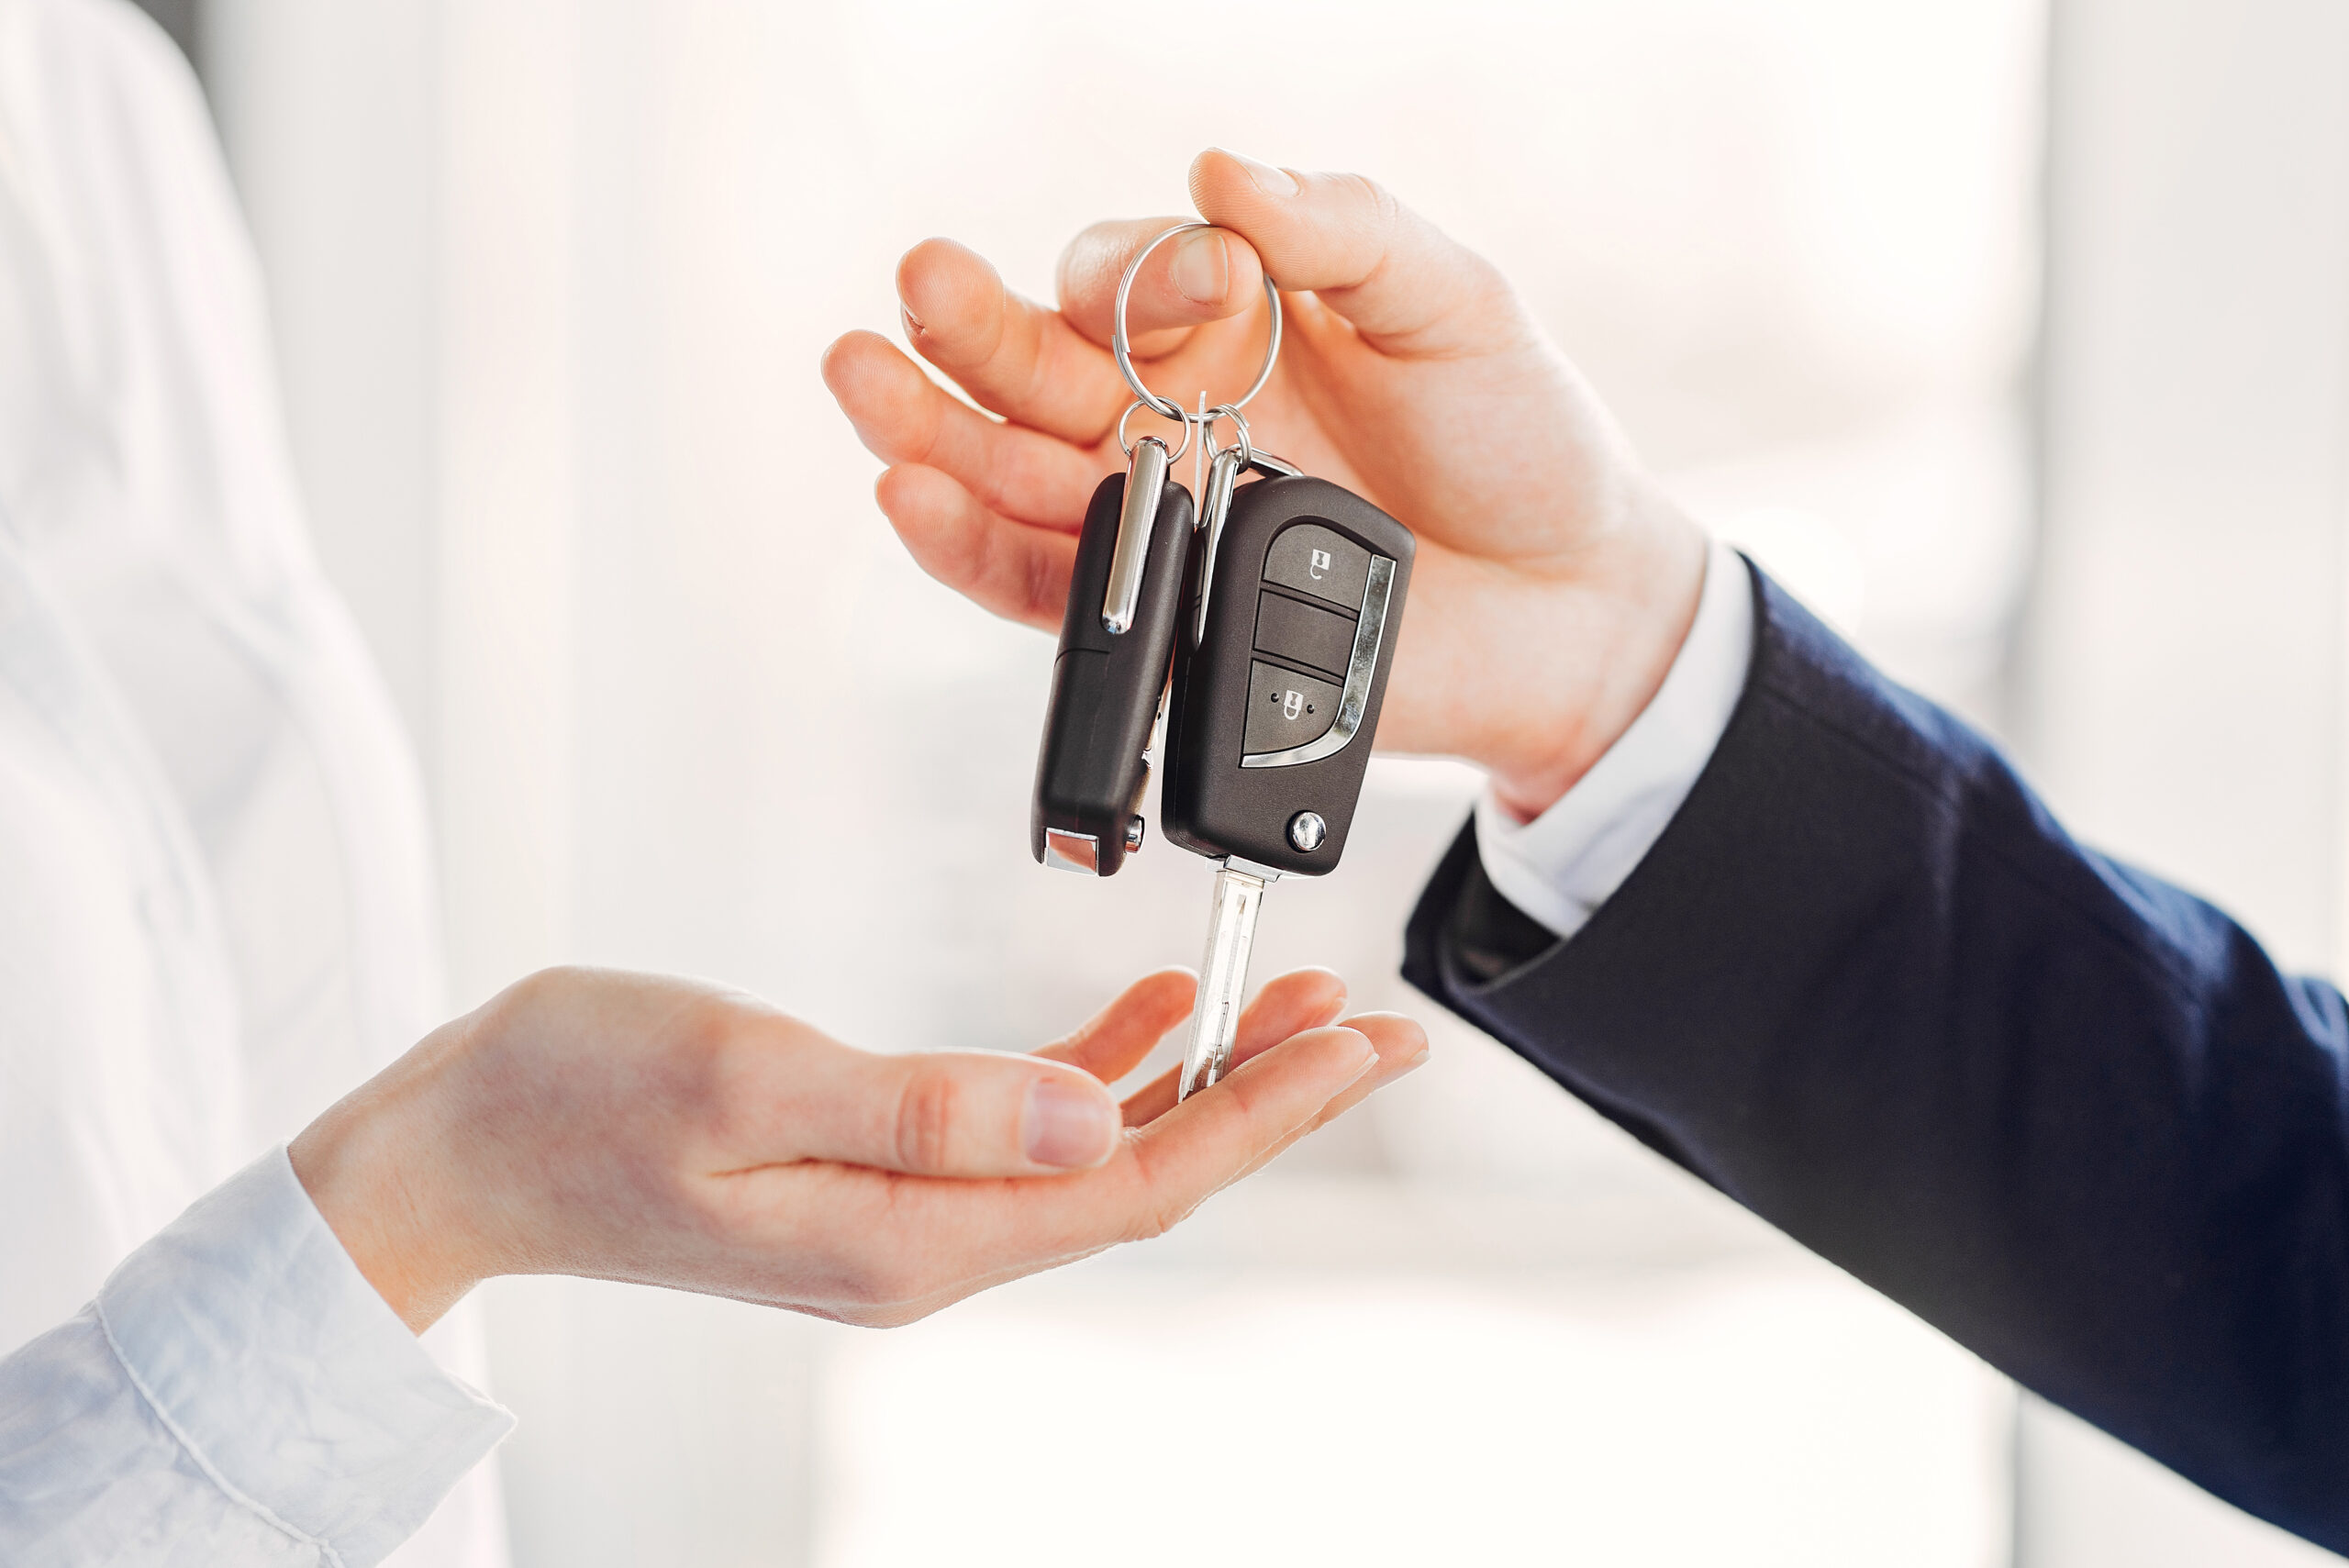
x: 1570, y: 860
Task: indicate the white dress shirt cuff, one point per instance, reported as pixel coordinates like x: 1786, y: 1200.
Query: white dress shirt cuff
x: 1560, y: 867
x: 285, y: 1376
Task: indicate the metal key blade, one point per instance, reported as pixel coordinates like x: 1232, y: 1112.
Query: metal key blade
x: 1223, y: 973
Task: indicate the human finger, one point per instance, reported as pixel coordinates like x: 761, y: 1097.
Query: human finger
x: 1110, y: 1042
x: 1013, y: 356
x: 1192, y: 279
x: 945, y: 1113
x: 902, y: 416
x: 1406, y: 285
x: 1402, y: 1044
x: 1018, y: 570
x: 949, y: 1239
x: 1113, y: 1042
x: 1184, y: 1157
x: 1300, y: 1000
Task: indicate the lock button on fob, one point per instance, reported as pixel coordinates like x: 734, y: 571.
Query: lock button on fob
x: 1321, y: 562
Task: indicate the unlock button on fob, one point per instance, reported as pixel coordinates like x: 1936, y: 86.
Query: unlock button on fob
x: 1286, y: 709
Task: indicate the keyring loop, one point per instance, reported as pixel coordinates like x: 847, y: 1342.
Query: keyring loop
x: 1230, y: 411
x: 1182, y: 419
x: 1119, y: 345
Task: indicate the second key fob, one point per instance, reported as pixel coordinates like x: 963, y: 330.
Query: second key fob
x: 1276, y: 689
x: 1105, y: 687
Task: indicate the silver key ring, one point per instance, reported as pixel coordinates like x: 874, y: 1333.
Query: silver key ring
x: 1166, y: 408
x: 1230, y: 411
x: 1127, y: 446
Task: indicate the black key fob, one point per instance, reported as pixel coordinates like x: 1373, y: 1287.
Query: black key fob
x: 1090, y: 770
x: 1278, y: 687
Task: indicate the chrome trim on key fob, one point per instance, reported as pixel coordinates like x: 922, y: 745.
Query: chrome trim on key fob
x: 1079, y: 852
x: 1137, y: 514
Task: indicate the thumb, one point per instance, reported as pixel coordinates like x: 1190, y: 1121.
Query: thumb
x: 1409, y: 287
x: 950, y: 1113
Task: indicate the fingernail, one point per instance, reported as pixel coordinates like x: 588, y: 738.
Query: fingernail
x: 1201, y: 270
x: 1271, y: 181
x: 913, y: 322
x: 1417, y: 1062
x: 1066, y: 1126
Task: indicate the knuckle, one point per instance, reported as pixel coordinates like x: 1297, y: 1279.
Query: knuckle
x: 1030, y: 380
x: 1374, y: 228
x: 886, y: 1289
x: 540, y: 988
x: 926, y: 431
x: 714, y: 1061
x: 1485, y: 284
x: 1158, y: 1218
x: 1038, y: 582
x: 927, y: 1106
x: 891, y: 1287
x: 1150, y: 1212
x: 709, y: 1033
x: 1374, y: 206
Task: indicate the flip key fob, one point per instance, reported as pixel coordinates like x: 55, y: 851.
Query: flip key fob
x: 1277, y: 686
x: 1106, y: 685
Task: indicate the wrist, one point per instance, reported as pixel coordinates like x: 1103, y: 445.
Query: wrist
x: 376, y: 1166
x: 1621, y: 618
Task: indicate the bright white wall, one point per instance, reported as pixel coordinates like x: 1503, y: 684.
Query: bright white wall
x: 410, y: 172
x: 331, y: 116
x: 2183, y: 671
x: 2187, y: 682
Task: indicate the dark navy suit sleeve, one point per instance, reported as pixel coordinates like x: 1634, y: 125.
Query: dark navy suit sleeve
x: 1867, y: 985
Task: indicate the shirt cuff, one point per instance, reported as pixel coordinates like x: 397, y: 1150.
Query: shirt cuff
x: 1560, y: 867
x: 287, y: 1379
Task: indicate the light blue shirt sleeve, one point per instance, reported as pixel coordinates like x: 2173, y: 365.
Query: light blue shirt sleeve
x: 1560, y: 867
x: 237, y: 1393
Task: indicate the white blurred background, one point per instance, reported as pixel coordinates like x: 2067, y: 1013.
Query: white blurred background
x: 2016, y: 341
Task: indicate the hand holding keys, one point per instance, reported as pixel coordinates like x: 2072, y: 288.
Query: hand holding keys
x: 1278, y: 610
x: 1554, y: 579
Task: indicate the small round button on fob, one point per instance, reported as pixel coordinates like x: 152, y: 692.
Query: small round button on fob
x: 1306, y: 831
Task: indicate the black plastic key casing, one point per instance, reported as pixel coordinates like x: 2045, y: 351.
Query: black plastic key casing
x: 1090, y: 771
x: 1291, y: 572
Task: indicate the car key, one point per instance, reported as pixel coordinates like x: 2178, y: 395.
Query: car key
x: 1295, y: 592
x: 1117, y: 636
x: 1288, y: 598
x: 1118, y: 633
